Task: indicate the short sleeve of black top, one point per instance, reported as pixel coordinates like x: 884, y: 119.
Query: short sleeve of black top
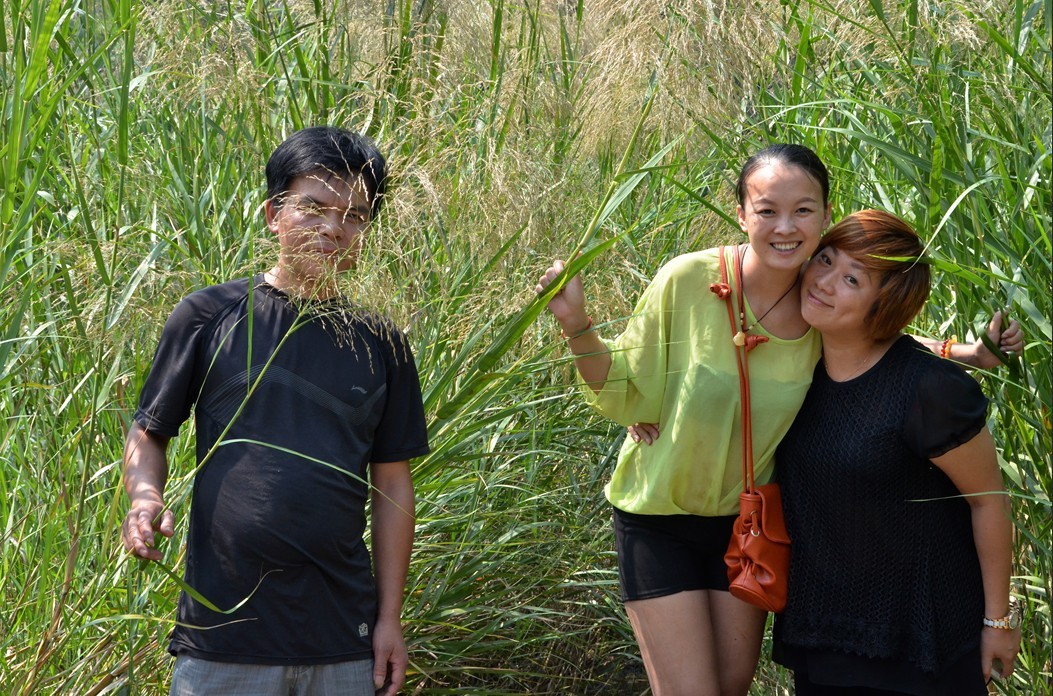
x: 884, y: 565
x: 290, y: 408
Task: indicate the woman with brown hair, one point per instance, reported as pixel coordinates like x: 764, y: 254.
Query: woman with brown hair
x: 900, y: 527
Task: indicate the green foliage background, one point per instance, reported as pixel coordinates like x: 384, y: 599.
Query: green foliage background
x: 133, y: 142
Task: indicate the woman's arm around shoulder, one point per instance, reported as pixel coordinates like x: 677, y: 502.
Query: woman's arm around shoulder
x: 977, y: 355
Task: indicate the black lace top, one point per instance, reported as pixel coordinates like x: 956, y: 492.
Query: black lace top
x: 884, y: 566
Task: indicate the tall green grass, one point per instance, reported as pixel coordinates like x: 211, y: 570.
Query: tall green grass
x: 131, y: 157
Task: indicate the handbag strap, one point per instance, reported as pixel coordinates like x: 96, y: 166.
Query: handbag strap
x: 748, y: 481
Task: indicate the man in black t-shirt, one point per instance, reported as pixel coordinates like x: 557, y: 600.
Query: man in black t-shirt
x: 304, y: 406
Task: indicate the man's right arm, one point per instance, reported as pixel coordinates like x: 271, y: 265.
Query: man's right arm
x: 145, y: 475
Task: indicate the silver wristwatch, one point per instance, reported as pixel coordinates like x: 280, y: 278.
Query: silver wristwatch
x: 1010, y: 621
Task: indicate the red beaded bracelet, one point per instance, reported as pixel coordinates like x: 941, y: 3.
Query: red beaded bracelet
x: 945, y: 347
x: 583, y: 331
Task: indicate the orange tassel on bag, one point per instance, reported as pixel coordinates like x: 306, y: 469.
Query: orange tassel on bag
x: 721, y: 290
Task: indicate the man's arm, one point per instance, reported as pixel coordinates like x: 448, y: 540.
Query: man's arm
x: 145, y: 475
x: 393, y: 520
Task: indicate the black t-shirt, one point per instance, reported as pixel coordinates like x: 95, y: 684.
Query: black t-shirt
x: 290, y: 407
x: 883, y: 565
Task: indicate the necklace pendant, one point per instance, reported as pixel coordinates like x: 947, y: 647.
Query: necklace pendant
x: 739, y: 339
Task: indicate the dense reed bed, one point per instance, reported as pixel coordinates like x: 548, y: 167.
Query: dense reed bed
x: 133, y: 141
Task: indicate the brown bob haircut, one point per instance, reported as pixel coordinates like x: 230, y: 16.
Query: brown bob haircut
x: 889, y: 247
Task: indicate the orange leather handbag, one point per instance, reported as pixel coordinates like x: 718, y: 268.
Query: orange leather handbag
x: 758, y: 556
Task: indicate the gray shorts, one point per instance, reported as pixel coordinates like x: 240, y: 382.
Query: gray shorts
x: 194, y: 677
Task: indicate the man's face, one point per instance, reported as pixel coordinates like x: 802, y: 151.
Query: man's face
x: 320, y: 221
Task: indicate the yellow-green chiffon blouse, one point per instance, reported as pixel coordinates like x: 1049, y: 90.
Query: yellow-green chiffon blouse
x: 675, y: 365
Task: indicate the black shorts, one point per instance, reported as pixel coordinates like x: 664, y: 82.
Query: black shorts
x: 660, y: 555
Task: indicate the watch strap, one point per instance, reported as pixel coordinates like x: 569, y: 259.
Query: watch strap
x: 1002, y: 623
x: 1011, y: 620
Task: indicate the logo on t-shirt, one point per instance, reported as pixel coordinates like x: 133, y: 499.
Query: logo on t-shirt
x: 363, y: 630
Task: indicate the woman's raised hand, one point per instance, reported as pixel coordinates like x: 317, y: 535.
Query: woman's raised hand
x: 591, y: 356
x: 568, y: 305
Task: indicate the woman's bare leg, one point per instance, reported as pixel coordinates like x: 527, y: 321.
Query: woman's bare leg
x: 676, y: 642
x: 699, y: 643
x: 738, y: 629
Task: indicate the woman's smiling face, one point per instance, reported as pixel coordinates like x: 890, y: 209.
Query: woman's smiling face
x: 838, y: 293
x: 783, y: 214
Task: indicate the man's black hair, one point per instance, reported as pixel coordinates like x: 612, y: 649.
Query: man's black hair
x: 328, y: 151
